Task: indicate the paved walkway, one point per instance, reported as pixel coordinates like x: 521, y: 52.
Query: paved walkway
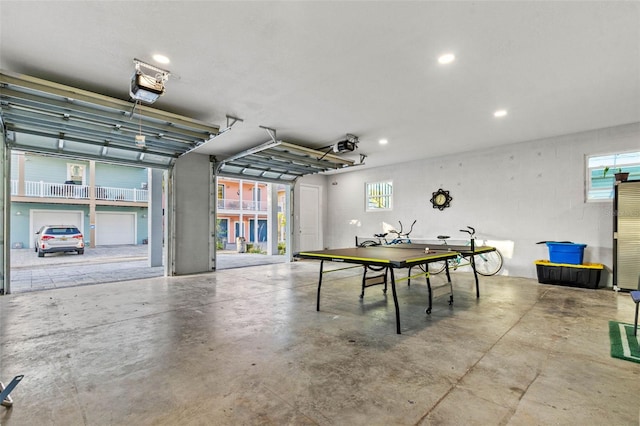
x: 103, y: 264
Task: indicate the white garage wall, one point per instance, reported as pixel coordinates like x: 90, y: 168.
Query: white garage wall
x: 515, y: 195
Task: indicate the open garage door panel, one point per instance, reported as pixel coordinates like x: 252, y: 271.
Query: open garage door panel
x: 50, y: 118
x: 280, y: 161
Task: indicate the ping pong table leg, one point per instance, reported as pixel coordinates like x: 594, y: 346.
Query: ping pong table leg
x: 449, y: 282
x: 428, y: 311
x: 319, y: 285
x: 395, y: 300
x: 475, y: 275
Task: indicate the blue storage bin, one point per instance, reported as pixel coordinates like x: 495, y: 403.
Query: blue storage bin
x: 568, y: 253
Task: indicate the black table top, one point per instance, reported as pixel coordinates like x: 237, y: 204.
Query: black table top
x: 462, y: 249
x: 380, y: 255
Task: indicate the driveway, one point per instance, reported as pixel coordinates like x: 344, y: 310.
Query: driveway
x: 102, y: 265
x: 97, y: 265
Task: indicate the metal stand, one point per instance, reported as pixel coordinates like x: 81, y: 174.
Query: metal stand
x: 5, y: 399
x: 371, y: 280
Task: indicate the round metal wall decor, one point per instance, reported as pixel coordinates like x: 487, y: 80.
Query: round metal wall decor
x: 441, y: 199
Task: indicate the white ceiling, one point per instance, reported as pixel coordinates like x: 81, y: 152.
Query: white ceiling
x: 317, y: 70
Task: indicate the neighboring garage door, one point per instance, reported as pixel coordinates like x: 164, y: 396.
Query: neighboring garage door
x: 40, y: 218
x: 115, y: 228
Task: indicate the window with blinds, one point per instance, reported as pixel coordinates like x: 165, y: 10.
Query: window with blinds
x: 379, y: 196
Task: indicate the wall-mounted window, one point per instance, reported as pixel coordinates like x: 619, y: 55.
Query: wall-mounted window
x: 75, y: 173
x: 601, y: 170
x: 379, y: 196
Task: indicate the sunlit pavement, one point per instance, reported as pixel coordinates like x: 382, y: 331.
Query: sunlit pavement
x: 102, y: 265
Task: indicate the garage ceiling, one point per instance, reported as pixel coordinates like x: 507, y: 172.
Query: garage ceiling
x: 318, y: 70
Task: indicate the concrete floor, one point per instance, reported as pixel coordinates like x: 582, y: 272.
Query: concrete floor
x: 247, y: 347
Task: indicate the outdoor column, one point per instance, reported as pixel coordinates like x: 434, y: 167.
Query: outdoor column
x: 21, y: 184
x: 154, y: 217
x: 272, y: 219
x: 92, y: 203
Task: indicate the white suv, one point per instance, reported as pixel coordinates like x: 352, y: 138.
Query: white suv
x: 59, y: 238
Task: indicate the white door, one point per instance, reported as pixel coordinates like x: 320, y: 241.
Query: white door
x: 40, y: 218
x: 310, y: 225
x: 115, y: 228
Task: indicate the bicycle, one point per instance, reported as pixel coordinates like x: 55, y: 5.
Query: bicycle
x: 380, y: 272
x: 401, y: 238
x: 486, y: 264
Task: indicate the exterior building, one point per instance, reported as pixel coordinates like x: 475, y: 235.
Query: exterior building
x: 243, y: 212
x: 107, y: 202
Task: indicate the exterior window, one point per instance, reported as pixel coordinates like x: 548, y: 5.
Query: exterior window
x: 75, y: 173
x: 601, y: 170
x: 379, y: 196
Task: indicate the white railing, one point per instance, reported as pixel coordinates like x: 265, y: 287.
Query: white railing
x: 64, y: 190
x: 231, y: 204
x: 121, y: 194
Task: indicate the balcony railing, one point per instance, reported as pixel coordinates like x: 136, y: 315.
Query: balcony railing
x: 64, y: 190
x: 231, y: 204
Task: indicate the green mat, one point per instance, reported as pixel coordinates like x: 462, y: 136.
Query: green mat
x: 624, y: 344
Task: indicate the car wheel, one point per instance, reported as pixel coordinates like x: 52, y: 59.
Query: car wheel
x: 81, y: 251
x: 40, y: 254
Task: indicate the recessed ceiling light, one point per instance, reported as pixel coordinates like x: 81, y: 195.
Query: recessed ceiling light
x: 383, y: 141
x: 500, y: 113
x: 161, y: 59
x: 447, y: 58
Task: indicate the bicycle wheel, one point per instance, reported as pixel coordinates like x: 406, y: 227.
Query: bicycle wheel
x: 436, y: 267
x: 488, y: 264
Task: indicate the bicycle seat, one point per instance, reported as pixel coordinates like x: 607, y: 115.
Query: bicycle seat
x: 369, y: 243
x: 380, y: 235
x: 443, y: 237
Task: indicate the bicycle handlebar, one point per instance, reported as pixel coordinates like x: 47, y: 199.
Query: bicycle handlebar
x: 471, y: 231
x: 399, y: 233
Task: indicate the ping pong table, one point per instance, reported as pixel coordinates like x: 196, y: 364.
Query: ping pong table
x: 382, y: 256
x: 465, y: 251
x: 397, y: 256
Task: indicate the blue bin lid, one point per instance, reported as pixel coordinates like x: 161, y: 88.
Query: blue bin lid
x: 550, y: 244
